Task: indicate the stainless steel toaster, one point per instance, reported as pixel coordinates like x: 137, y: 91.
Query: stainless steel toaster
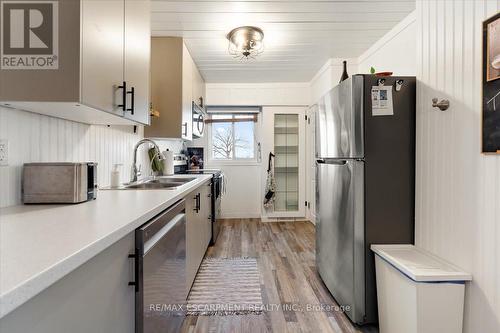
x: 59, y: 182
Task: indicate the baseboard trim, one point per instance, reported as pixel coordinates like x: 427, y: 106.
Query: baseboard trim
x: 240, y: 216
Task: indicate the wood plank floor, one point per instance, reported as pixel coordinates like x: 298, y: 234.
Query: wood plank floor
x: 286, y: 258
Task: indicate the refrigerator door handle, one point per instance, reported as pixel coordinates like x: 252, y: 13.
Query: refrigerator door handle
x: 341, y: 162
x: 334, y: 162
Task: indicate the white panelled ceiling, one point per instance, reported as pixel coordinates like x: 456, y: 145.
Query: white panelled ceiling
x: 299, y: 35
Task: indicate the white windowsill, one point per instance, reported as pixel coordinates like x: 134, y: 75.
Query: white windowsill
x: 215, y: 163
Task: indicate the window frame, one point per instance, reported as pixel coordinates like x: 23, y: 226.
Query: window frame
x: 234, y: 160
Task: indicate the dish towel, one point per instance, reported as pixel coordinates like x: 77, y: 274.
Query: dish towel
x: 154, y: 158
x: 270, y: 184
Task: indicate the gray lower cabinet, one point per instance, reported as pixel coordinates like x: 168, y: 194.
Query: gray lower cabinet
x: 95, y: 297
x: 198, y: 230
x: 103, y: 60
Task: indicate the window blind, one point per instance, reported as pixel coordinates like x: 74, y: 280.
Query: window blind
x: 232, y: 114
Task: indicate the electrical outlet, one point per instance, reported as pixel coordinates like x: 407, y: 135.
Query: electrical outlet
x: 4, y: 152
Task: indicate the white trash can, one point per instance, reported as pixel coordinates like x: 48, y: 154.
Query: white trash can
x: 418, y: 292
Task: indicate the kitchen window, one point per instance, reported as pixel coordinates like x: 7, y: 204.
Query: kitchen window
x: 233, y: 134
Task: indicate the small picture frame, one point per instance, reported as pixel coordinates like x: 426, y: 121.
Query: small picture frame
x: 491, y: 85
x: 493, y: 48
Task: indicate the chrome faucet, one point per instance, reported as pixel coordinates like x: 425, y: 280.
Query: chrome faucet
x: 135, y: 173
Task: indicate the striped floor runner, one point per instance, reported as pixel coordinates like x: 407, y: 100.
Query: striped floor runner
x: 226, y: 286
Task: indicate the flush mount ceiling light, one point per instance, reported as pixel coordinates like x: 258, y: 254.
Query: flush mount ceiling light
x: 246, y: 42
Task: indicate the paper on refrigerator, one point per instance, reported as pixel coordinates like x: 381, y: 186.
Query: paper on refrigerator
x: 382, y: 104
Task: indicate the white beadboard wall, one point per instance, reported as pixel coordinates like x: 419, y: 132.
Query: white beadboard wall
x: 458, y: 188
x: 38, y: 138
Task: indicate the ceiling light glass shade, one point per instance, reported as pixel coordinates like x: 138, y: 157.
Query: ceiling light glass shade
x: 246, y: 42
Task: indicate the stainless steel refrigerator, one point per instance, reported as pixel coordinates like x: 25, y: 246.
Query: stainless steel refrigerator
x: 365, y: 173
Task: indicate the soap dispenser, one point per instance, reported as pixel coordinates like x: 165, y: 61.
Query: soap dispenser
x: 115, y: 175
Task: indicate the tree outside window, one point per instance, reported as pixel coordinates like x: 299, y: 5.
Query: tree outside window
x: 233, y: 137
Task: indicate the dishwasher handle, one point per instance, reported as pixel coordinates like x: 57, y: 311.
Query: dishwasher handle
x: 150, y: 243
x: 149, y: 229
x: 135, y: 283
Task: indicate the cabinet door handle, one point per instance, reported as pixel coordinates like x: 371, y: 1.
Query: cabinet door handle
x: 132, y: 100
x: 185, y: 131
x: 135, y: 283
x: 124, y: 96
x: 200, y: 122
x: 197, y: 203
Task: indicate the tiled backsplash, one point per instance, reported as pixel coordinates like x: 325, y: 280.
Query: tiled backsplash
x: 38, y: 138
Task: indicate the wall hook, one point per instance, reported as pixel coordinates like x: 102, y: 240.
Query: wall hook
x: 443, y: 105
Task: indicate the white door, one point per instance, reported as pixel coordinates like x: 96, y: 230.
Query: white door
x: 284, y: 136
x: 311, y: 164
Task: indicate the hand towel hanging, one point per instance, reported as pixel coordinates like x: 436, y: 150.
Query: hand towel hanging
x: 270, y: 184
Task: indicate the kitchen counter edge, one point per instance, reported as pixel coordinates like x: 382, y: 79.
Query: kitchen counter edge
x: 15, y: 294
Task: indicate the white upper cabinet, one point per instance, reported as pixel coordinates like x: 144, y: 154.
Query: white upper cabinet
x: 103, y: 66
x: 187, y: 97
x: 137, y: 58
x: 102, y: 54
x: 198, y: 87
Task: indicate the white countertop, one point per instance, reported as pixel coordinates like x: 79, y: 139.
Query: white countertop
x: 419, y: 264
x: 40, y: 244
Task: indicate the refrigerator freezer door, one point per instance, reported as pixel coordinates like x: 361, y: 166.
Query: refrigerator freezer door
x: 340, y: 233
x: 339, y: 131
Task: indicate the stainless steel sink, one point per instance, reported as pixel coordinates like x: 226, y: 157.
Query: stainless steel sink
x: 150, y: 186
x: 157, y: 183
x: 169, y: 180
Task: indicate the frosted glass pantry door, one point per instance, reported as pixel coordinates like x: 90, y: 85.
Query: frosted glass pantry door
x: 283, y: 135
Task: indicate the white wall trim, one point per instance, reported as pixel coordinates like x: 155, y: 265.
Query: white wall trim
x: 274, y: 94
x: 243, y: 215
x: 259, y: 85
x: 393, y: 33
x: 331, y: 63
x: 322, y: 70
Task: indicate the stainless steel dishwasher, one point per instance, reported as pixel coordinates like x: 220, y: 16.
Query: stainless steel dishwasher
x: 160, y: 272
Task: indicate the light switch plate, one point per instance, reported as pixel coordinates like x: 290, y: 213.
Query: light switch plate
x: 4, y: 152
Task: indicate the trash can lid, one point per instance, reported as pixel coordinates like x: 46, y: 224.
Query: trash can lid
x: 419, y: 264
